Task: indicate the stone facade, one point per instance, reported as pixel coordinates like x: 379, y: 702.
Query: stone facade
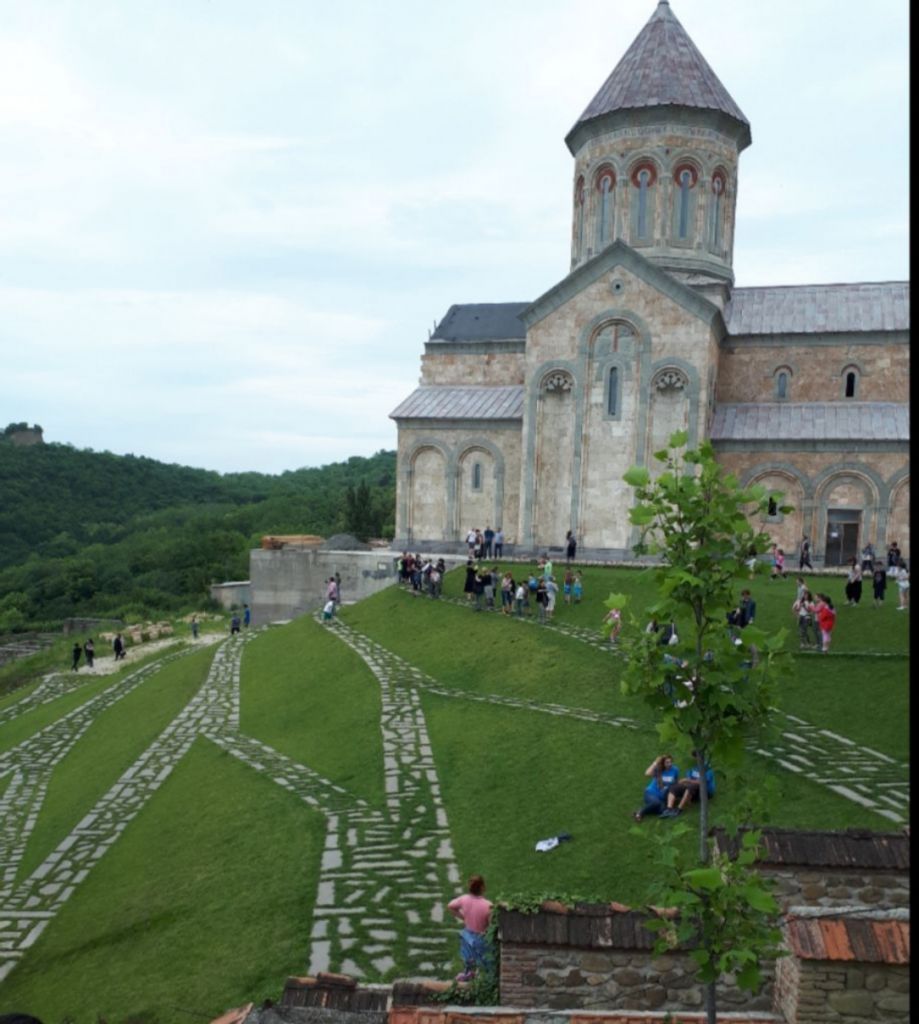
x: 648, y: 335
x: 839, y: 887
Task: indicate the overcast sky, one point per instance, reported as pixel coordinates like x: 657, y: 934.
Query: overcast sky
x: 226, y: 227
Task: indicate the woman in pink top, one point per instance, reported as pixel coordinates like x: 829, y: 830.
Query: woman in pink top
x: 474, y: 911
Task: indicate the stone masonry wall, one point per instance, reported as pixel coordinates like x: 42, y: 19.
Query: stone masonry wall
x: 823, y: 992
x: 746, y: 373
x: 831, y: 887
x: 467, y: 370
x: 560, y: 977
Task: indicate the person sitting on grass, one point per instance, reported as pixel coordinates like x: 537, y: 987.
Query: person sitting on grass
x: 663, y: 774
x: 474, y: 911
x: 686, y: 791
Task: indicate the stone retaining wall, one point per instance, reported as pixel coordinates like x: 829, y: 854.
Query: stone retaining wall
x: 593, y: 957
x: 824, y: 992
x: 842, y: 887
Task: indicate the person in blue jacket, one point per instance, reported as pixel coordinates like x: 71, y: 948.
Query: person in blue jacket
x: 663, y: 773
x: 686, y: 791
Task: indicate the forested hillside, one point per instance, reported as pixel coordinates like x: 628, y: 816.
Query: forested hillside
x: 85, y: 532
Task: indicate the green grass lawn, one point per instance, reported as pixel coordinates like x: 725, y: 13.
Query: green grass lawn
x: 206, y: 900
x: 112, y: 743
x: 204, y: 903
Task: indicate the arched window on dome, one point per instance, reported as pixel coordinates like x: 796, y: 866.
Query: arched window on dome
x: 580, y: 201
x: 716, y: 213
x: 643, y: 177
x: 685, y: 178
x: 606, y: 207
x: 781, y: 377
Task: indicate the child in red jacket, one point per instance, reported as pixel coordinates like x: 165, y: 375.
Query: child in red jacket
x: 825, y: 617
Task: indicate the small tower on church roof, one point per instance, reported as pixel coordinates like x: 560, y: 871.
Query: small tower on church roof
x: 656, y: 153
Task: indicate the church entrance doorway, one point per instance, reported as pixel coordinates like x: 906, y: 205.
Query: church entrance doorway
x: 842, y: 529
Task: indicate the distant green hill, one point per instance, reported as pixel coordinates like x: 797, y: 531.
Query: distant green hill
x: 84, y: 532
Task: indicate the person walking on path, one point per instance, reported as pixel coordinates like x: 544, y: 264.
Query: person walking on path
x: 118, y: 647
x: 474, y: 911
x: 194, y: 627
x: 879, y: 581
x: 571, y: 546
x: 853, y: 583
x: 234, y: 625
x: 613, y: 619
x: 499, y: 543
x: 77, y: 653
x: 89, y: 652
x: 247, y: 616
x: 805, y: 555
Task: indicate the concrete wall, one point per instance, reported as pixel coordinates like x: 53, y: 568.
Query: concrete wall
x: 292, y: 581
x: 230, y: 595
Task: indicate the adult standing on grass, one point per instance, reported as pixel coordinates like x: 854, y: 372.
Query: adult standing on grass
x: 571, y: 546
x: 879, y: 581
x: 804, y: 602
x: 474, y: 911
x: 551, y: 596
x: 469, y: 585
x: 89, y: 652
x: 77, y: 653
x: 499, y: 543
x: 470, y: 542
x: 868, y: 557
x: 893, y: 555
x: 853, y: 583
x: 489, y: 541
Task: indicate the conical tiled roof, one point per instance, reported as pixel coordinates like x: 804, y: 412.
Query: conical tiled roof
x: 663, y: 67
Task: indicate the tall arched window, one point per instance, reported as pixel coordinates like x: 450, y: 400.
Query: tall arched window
x: 477, y: 476
x: 781, y: 385
x: 643, y: 178
x: 685, y: 178
x: 716, y: 218
x: 606, y: 182
x: 612, y: 396
x: 850, y: 382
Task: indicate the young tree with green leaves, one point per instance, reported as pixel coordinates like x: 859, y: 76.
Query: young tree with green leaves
x: 712, y: 686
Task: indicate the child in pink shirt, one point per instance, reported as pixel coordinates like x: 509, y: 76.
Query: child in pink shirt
x: 474, y: 911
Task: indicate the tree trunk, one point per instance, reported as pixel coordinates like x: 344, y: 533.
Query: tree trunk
x: 703, y: 811
x: 711, y: 1003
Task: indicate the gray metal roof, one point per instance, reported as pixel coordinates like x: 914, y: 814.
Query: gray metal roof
x: 662, y: 67
x: 819, y: 308
x: 811, y: 421
x: 482, y: 321
x: 436, y: 402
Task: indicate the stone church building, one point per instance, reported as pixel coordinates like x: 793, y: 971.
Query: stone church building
x: 529, y: 413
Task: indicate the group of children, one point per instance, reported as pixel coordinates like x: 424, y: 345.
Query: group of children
x: 483, y: 584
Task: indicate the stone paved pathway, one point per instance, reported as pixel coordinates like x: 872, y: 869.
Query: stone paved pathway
x: 856, y: 772
x: 384, y: 871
